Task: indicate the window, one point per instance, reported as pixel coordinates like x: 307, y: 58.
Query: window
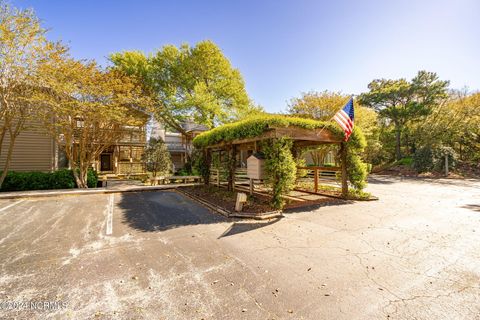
x: 125, y: 153
x: 137, y: 153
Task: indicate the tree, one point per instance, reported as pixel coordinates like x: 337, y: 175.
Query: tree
x: 453, y: 123
x: 23, y: 47
x: 86, y: 109
x: 185, y: 81
x: 156, y: 157
x: 323, y: 106
x: 401, y: 102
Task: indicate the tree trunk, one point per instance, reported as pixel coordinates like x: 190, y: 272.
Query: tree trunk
x: 8, y: 159
x: 398, y: 152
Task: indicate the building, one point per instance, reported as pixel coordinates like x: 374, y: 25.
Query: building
x: 179, y: 145
x: 35, y: 150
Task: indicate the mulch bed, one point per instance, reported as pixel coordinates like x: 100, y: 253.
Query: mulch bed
x: 256, y: 204
x: 226, y: 199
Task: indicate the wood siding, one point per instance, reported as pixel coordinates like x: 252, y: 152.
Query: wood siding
x: 33, y: 151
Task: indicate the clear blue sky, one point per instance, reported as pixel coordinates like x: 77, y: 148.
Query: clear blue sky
x: 285, y: 47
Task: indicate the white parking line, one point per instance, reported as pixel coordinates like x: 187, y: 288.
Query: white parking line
x: 11, y: 205
x: 110, y: 215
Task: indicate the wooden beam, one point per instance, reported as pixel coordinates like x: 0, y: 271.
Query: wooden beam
x: 314, y: 136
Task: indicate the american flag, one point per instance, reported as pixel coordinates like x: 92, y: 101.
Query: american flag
x: 345, y: 117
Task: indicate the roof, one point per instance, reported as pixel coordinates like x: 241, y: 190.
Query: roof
x: 190, y: 126
x: 270, y: 126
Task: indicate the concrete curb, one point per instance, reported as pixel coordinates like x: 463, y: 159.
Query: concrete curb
x: 80, y: 192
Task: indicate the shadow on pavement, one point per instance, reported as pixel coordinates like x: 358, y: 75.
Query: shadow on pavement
x: 312, y: 207
x: 473, y: 207
x: 377, y: 179
x: 163, y: 210
x: 245, y: 226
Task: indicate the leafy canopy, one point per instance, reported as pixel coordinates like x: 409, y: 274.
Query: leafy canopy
x: 185, y: 81
x: 401, y: 102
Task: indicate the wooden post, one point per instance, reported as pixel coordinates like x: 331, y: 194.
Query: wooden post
x: 343, y: 157
x: 315, y: 177
x: 446, y: 165
x: 208, y: 163
x: 251, y: 186
x: 231, y: 169
x: 218, y: 177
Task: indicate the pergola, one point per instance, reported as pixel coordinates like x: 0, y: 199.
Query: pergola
x: 304, y: 133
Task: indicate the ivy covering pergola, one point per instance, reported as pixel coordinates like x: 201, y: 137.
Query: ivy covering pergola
x: 252, y: 133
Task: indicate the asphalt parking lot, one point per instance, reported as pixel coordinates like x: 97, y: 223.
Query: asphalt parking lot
x: 414, y: 254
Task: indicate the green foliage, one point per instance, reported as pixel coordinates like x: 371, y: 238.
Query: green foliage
x: 355, y: 194
x: 92, y: 178
x: 439, y: 154
x: 402, y: 102
x: 200, y: 164
x: 408, y: 161
x: 317, y: 105
x: 280, y: 168
x: 428, y: 158
x: 156, y: 157
x: 252, y: 127
x: 36, y: 180
x: 185, y: 81
x: 423, y: 159
x: 357, y: 169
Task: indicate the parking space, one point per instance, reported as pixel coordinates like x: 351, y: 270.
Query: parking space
x: 151, y: 255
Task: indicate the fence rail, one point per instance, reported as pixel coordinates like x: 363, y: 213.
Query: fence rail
x: 318, y: 174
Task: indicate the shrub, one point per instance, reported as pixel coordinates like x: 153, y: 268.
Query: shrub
x: 439, y: 154
x: 156, y: 157
x: 428, y: 158
x: 357, y: 169
x: 92, y: 178
x: 201, y: 164
x: 280, y: 168
x: 423, y: 159
x: 36, y: 180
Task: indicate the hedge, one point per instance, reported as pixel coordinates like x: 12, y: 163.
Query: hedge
x: 36, y: 180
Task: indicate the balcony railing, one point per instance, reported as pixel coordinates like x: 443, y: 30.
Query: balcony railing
x: 125, y: 135
x: 175, y: 146
x: 130, y: 167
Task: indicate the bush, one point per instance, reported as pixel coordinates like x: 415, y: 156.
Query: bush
x: 430, y: 158
x: 357, y: 169
x: 92, y: 178
x: 36, y: 180
x: 439, y: 154
x: 280, y: 168
x: 423, y: 159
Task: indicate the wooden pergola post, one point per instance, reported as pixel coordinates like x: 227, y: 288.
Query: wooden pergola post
x: 343, y: 159
x: 208, y: 162
x: 231, y: 169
